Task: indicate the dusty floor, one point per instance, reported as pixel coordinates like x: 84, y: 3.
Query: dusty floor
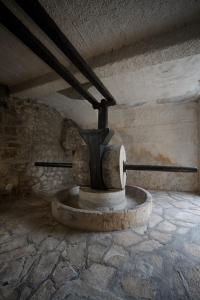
x: 40, y: 259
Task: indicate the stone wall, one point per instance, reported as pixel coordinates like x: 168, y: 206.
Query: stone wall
x: 31, y: 132
x: 160, y: 134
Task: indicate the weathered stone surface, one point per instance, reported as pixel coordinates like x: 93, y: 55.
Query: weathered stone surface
x: 27, y: 128
x: 138, y: 288
x: 25, y: 293
x: 38, y: 235
x: 102, y: 238
x: 115, y: 256
x: 192, y: 249
x: 180, y: 215
x: 79, y: 289
x: 45, y: 265
x: 166, y: 226
x: 96, y: 253
x: 146, y: 246
x: 11, y: 271
x: 70, y: 137
x: 81, y: 169
x: 154, y: 220
x: 98, y: 275
x: 160, y: 236
x: 61, y: 263
x: 156, y: 261
x: 183, y: 204
x: 45, y: 291
x: 18, y: 253
x: 140, y: 230
x: 75, y: 253
x: 29, y: 263
x: 182, y: 230
x: 93, y: 220
x: 105, y: 200
x: 126, y: 238
x: 49, y: 244
x: 13, y: 244
x: 114, y: 175
x: 8, y: 292
x: 63, y: 273
x: 190, y: 278
x: 157, y: 210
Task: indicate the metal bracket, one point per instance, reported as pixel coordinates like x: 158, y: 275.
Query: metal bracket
x: 96, y: 140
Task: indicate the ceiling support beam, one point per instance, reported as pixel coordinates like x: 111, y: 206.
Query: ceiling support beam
x: 13, y: 24
x: 39, y: 15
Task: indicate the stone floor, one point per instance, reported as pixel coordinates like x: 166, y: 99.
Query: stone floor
x: 40, y: 259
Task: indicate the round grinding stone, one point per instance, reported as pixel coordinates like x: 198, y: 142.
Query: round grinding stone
x: 113, y: 161
x: 102, y: 200
x: 81, y: 170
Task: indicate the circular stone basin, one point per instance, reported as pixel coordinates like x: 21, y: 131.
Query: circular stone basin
x: 107, y: 200
x: 66, y: 210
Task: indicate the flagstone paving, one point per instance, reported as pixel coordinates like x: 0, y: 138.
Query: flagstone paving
x: 41, y: 259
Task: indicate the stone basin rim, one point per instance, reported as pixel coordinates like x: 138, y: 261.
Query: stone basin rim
x: 102, y: 221
x: 146, y: 202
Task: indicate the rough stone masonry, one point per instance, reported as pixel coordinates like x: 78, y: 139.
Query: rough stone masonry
x: 31, y: 132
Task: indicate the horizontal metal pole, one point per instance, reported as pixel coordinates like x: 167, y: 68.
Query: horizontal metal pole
x: 126, y: 167
x: 53, y: 164
x: 160, y: 168
x: 13, y: 24
x: 39, y: 15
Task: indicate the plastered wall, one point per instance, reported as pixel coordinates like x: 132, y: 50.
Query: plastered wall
x: 160, y: 134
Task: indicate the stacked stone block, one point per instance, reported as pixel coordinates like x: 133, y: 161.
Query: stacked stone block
x: 31, y: 132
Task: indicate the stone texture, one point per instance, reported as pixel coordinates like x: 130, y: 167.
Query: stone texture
x: 154, y: 220
x: 113, y: 173
x: 96, y: 253
x: 147, y: 246
x: 138, y: 288
x: 75, y: 253
x: 45, y: 291
x: 43, y: 269
x: 27, y: 136
x: 126, y: 238
x: 166, y: 226
x: 192, y: 249
x: 160, y: 236
x: 66, y: 264
x: 115, y: 256
x: 79, y: 289
x: 63, y: 273
x: 25, y: 293
x: 18, y: 253
x: 136, y: 213
x: 11, y: 271
x: 98, y: 275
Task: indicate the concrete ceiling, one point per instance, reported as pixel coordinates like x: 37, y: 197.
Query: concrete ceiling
x: 100, y: 26
x: 143, y: 50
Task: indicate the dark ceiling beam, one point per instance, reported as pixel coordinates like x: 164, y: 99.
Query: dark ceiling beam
x: 39, y: 15
x: 13, y: 24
